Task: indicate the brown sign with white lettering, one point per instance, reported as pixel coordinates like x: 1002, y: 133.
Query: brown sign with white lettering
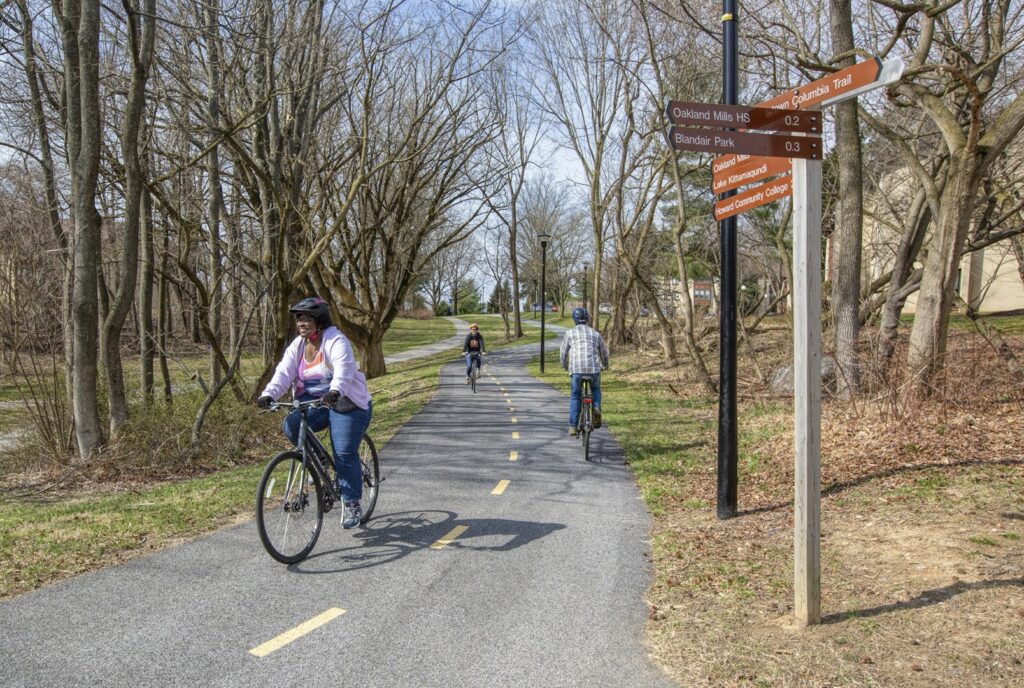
x: 752, y: 170
x: 742, y: 117
x: 769, y: 192
x: 825, y: 90
x: 718, y: 141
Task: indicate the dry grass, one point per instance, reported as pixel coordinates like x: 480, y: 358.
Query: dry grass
x: 922, y: 545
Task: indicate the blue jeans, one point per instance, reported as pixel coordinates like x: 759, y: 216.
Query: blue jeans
x: 576, y: 394
x: 347, y: 430
x: 470, y: 362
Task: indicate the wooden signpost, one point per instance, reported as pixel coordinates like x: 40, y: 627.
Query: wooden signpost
x: 749, y: 160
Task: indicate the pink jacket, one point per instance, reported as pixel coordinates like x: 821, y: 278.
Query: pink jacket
x: 347, y: 380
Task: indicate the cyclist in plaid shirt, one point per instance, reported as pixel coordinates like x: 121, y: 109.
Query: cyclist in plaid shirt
x: 583, y: 352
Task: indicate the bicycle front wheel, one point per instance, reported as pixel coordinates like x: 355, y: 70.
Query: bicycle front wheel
x: 289, y: 508
x: 370, y: 467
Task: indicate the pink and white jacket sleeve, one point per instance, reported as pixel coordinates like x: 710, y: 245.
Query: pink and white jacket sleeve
x: 287, y: 371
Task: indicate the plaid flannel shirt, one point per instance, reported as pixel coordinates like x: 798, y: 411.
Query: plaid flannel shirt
x: 583, y: 351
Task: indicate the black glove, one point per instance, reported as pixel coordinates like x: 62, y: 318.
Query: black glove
x: 264, y: 402
x: 331, y: 397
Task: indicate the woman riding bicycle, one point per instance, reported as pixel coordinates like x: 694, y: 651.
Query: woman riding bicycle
x: 473, y: 347
x: 320, y: 364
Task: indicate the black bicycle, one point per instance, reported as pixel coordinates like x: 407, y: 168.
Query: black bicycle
x: 585, y: 422
x: 298, y: 487
x: 474, y: 370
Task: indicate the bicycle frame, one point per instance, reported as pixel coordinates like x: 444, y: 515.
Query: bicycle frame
x: 314, y: 454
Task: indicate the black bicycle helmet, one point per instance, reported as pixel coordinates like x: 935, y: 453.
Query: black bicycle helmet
x: 315, y: 307
x: 580, y: 315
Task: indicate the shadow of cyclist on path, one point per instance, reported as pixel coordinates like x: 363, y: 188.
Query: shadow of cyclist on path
x: 390, y: 537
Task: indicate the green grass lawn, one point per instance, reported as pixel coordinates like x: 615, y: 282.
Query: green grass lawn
x: 47, y: 537
x: 1006, y: 324
x: 408, y: 333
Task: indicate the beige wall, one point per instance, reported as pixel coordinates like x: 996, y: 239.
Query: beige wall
x: 989, y: 280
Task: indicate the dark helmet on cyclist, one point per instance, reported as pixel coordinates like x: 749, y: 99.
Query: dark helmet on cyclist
x: 580, y: 315
x: 317, y: 308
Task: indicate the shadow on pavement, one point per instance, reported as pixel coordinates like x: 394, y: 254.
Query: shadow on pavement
x: 393, y: 536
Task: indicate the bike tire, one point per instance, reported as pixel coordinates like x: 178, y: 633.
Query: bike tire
x: 585, y: 433
x: 472, y: 382
x: 289, y: 534
x: 369, y: 465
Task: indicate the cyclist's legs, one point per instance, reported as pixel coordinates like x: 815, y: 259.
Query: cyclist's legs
x: 469, y: 364
x: 575, y: 396
x: 315, y: 417
x: 347, y: 431
x: 595, y: 389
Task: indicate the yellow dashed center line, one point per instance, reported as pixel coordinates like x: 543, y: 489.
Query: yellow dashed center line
x: 513, y: 456
x: 512, y: 409
x: 455, y: 532
x: 296, y: 633
x: 500, y: 487
x: 514, y: 419
x: 515, y: 435
x: 505, y: 393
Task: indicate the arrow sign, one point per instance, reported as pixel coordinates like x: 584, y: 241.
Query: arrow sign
x: 772, y: 191
x: 742, y: 117
x: 716, y: 141
x: 761, y: 168
x: 835, y: 88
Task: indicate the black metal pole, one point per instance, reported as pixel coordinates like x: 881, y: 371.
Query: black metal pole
x: 543, y: 299
x: 727, y: 452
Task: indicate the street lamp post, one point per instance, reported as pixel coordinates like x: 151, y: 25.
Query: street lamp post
x: 544, y: 238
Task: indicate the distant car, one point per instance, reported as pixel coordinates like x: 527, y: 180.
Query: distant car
x: 644, y: 312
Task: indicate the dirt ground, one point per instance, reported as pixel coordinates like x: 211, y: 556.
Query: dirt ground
x: 922, y: 546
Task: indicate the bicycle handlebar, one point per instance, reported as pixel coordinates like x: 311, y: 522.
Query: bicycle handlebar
x: 295, y: 405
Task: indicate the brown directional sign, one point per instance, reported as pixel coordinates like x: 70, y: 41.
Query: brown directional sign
x: 835, y: 87
x: 742, y: 117
x: 718, y: 141
x: 769, y: 192
x: 761, y: 168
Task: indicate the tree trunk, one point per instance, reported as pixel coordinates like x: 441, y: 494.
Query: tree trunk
x: 142, y: 56
x: 688, y: 337
x: 847, y: 239
x: 147, y: 333
x: 896, y: 294
x: 80, y: 34
x: 164, y: 320
x: 513, y: 231
x: 216, y: 200
x: 935, y: 300
x: 234, y: 226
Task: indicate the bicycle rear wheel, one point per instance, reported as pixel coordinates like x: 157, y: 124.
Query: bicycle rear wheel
x: 370, y: 467
x: 289, y: 508
x: 587, y: 425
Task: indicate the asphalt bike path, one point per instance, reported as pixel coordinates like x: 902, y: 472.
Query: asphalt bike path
x: 456, y: 340
x: 496, y: 557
